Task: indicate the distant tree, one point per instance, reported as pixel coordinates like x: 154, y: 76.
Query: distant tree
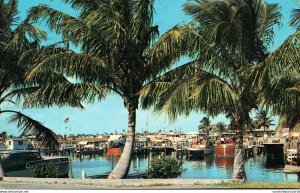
x: 221, y: 127
x: 205, y: 125
x: 262, y: 119
x: 4, y: 135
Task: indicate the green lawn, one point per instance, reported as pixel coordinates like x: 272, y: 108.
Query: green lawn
x: 260, y: 185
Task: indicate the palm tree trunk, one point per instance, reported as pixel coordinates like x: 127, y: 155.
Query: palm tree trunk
x: 239, y: 162
x: 121, y: 169
x: 1, y: 171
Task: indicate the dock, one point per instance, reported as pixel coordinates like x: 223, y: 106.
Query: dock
x: 291, y: 169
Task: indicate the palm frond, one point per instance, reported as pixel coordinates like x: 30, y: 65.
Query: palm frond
x: 13, y: 11
x: 173, y: 45
x: 19, y: 39
x: 29, y: 126
x: 61, y: 94
x: 84, y: 4
x: 295, y: 18
x: 284, y: 60
x: 82, y: 66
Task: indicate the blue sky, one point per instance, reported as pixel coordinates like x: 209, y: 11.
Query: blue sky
x: 110, y: 114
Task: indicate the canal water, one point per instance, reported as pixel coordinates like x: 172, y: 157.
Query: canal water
x: 209, y: 167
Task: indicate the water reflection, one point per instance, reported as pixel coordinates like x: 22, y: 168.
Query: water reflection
x: 208, y: 167
x: 224, y: 162
x: 274, y: 161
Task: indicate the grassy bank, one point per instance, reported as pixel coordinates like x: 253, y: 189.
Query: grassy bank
x: 260, y: 185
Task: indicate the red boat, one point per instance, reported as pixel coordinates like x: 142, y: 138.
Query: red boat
x: 224, y: 150
x: 113, y: 151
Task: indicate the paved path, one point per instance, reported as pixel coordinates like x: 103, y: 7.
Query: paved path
x: 104, y: 184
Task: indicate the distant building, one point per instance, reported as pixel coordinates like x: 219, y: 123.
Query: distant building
x: 2, y: 146
x: 17, y: 144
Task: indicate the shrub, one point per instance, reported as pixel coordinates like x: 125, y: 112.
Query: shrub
x: 45, y: 170
x: 165, y: 167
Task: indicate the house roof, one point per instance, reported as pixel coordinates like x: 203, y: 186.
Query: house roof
x: 18, y: 139
x: 84, y: 139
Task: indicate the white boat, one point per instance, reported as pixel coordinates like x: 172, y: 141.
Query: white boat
x: 292, y: 156
x: 21, y: 163
x: 201, y: 149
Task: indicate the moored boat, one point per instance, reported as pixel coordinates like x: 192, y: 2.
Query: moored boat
x: 201, y: 149
x: 275, y: 157
x: 194, y: 152
x: 224, y: 150
x: 21, y: 163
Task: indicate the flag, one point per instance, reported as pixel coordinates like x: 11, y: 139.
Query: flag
x: 66, y: 120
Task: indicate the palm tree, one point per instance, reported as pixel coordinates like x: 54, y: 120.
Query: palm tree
x: 262, y: 119
x: 233, y: 35
x: 118, y: 55
x: 205, y: 125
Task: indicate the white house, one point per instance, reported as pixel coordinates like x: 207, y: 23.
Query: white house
x: 17, y: 144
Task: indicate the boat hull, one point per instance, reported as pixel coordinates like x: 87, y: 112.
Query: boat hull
x: 198, y: 152
x: 224, y: 150
x: 274, y: 148
x: 195, y: 152
x: 275, y: 157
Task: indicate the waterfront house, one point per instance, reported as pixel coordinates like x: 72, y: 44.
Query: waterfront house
x: 17, y: 144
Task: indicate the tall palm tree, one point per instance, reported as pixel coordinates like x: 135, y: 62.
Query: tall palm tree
x: 233, y: 36
x: 118, y: 54
x: 262, y: 119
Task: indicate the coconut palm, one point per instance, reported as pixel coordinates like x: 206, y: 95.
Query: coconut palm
x: 118, y: 54
x: 235, y: 35
x: 262, y: 119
